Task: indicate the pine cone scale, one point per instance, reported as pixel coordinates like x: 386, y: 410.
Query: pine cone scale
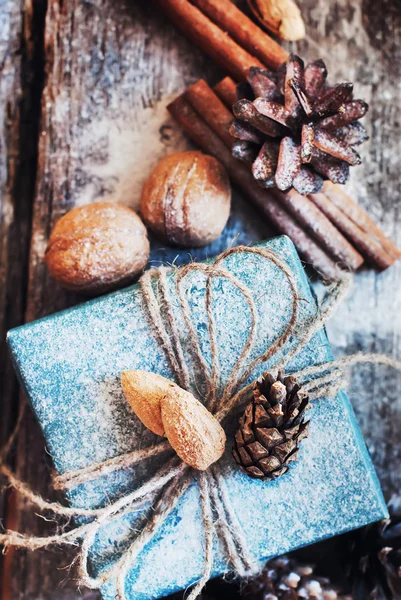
x: 288, y: 164
x: 350, y: 113
x: 247, y: 152
x: 274, y: 111
x: 257, y: 451
x: 330, y: 144
x: 332, y: 100
x: 269, y: 436
x: 336, y: 170
x: 264, y: 165
x: 302, y: 98
x: 315, y: 78
x: 294, y: 75
x: 245, y: 132
x: 261, y: 85
x: 246, y: 111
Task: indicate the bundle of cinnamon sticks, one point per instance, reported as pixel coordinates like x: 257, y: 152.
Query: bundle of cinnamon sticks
x: 224, y: 32
x: 330, y: 231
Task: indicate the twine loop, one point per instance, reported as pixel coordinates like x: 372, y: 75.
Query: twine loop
x: 165, y: 488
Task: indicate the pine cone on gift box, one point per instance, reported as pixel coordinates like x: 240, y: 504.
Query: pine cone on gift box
x: 271, y: 427
x: 376, y: 561
x: 285, y: 579
x: 295, y: 129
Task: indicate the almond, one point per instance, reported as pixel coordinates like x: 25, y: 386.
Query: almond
x: 282, y: 17
x: 166, y: 409
x: 144, y: 392
x: 191, y: 429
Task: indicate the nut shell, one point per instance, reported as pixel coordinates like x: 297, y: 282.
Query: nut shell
x: 97, y: 248
x: 144, y: 392
x: 282, y: 17
x: 194, y: 433
x: 186, y: 200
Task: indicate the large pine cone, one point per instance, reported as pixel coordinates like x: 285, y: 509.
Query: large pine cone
x: 376, y: 572
x: 294, y: 129
x: 271, y: 427
x: 285, y: 579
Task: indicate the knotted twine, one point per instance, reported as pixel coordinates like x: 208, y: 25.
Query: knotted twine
x: 164, y: 489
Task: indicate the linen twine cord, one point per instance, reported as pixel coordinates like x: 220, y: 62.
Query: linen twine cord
x: 164, y: 489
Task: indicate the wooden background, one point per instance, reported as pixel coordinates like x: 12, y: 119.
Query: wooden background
x: 83, y: 89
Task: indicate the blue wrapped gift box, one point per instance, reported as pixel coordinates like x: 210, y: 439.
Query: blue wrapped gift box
x: 69, y: 365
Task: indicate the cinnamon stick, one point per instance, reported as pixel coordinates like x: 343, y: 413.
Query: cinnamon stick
x: 244, y: 31
x: 317, y: 223
x: 212, y: 110
x: 337, y: 195
x: 210, y: 38
x: 226, y: 90
x: 210, y: 142
x: 359, y: 238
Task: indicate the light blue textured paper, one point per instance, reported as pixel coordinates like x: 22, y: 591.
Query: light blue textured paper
x: 69, y: 365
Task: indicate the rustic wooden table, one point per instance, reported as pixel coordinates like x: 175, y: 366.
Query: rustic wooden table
x: 83, y: 90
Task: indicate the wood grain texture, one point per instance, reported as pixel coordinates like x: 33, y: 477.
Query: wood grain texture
x: 360, y: 41
x: 19, y: 81
x: 12, y: 231
x: 111, y: 68
x: 10, y: 95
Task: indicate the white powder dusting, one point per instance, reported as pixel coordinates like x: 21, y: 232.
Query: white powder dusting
x: 121, y: 153
x: 39, y: 245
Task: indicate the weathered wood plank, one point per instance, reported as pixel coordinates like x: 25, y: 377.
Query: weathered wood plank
x: 360, y: 41
x: 10, y: 96
x: 20, y: 90
x: 111, y: 68
x: 14, y: 212
x: 18, y: 123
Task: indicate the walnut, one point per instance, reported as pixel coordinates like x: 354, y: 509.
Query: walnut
x: 97, y: 248
x: 186, y: 200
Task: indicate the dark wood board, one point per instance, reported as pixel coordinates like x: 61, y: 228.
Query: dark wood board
x: 99, y: 124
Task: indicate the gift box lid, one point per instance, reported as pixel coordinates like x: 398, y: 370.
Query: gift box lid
x: 69, y: 365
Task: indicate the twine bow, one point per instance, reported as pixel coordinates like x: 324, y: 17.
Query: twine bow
x: 164, y: 489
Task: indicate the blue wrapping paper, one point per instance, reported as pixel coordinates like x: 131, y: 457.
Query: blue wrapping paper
x: 69, y: 365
